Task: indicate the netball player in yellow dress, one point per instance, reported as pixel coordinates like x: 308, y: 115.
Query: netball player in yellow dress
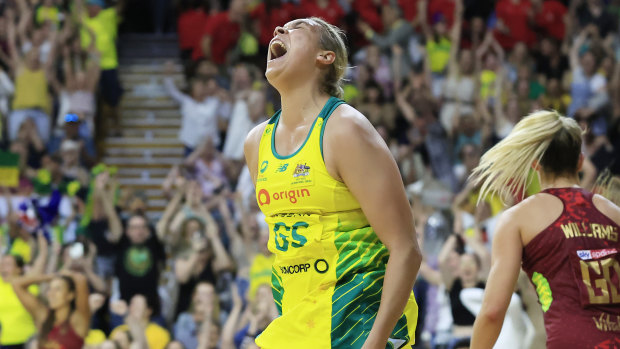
x: 340, y: 223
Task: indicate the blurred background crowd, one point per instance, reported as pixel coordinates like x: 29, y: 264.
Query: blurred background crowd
x: 441, y: 80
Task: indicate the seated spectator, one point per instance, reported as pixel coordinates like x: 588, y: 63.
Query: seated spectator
x: 71, y: 168
x: 137, y: 321
x: 71, y: 131
x: 204, y: 308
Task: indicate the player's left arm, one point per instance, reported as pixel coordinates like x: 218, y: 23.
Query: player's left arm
x: 359, y: 157
x: 505, y: 267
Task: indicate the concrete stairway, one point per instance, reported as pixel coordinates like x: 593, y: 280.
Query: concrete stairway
x: 149, y: 121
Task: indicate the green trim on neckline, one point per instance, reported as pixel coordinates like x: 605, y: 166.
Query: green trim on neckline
x: 275, y: 126
x: 336, y: 104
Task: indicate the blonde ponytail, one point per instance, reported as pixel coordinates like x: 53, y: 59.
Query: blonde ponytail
x: 608, y: 186
x: 503, y: 170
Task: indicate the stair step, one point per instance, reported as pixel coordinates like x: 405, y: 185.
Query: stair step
x: 161, y: 162
x: 148, y: 69
x: 142, y: 60
x: 164, y: 103
x: 144, y: 78
x: 153, y: 172
x: 154, y: 123
x: 146, y: 152
x: 151, y: 134
x: 150, y: 114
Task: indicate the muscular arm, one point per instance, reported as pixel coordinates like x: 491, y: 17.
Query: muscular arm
x: 505, y: 267
x: 380, y: 192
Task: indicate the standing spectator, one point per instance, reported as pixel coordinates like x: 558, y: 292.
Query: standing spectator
x: 139, y: 259
x: 32, y: 100
x: 200, y: 111
x: 269, y: 14
x: 190, y: 18
x: 512, y: 23
x: 588, y: 87
x: 247, y: 111
x: 592, y: 12
x: 65, y: 320
x: 104, y: 24
x: 329, y: 10
x: 16, y: 324
x: 550, y: 18
x: 221, y: 33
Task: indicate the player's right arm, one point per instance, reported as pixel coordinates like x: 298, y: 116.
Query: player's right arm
x: 250, y: 148
x: 505, y: 267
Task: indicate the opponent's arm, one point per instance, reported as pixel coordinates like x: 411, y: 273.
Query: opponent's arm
x: 505, y: 267
x: 362, y: 160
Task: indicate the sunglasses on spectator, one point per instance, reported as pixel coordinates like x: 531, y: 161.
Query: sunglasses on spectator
x: 72, y: 118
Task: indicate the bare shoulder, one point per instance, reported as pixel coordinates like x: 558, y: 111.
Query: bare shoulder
x: 348, y: 136
x: 534, y: 214
x: 346, y: 119
x: 607, y: 207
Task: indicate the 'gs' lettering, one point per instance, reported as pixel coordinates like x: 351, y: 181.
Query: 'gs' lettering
x: 281, y: 237
x: 264, y: 198
x: 601, y: 278
x: 294, y: 269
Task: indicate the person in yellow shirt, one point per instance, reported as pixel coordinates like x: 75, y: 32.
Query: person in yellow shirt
x: 101, y: 24
x: 32, y: 99
x: 16, y: 324
x: 142, y: 329
x: 340, y: 224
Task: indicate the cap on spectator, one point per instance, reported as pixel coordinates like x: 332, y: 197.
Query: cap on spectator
x: 438, y: 17
x: 70, y: 117
x: 100, y: 3
x: 69, y: 145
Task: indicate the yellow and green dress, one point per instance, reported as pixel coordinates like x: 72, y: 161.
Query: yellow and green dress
x: 328, y: 272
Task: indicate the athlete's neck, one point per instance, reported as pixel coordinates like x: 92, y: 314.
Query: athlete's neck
x: 558, y: 182
x: 300, y: 107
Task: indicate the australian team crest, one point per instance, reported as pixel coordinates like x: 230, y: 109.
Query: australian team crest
x: 301, y: 170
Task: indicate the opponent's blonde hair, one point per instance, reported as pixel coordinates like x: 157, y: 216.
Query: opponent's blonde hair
x: 545, y: 137
x: 331, y: 38
x: 608, y: 186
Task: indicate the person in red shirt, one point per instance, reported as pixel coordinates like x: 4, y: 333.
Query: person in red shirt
x: 329, y: 10
x: 513, y: 23
x: 369, y: 12
x: 443, y: 7
x: 565, y: 238
x: 409, y: 8
x: 188, y: 29
x: 549, y: 17
x: 220, y: 33
x: 270, y: 14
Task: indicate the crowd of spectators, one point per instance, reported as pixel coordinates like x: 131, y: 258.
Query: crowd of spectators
x: 441, y: 80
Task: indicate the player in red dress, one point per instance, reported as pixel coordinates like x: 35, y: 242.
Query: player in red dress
x: 565, y: 237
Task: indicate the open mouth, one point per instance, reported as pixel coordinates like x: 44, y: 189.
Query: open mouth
x: 277, y: 49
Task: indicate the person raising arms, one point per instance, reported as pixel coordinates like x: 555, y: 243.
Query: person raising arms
x: 565, y: 237
x: 65, y: 320
x: 340, y: 223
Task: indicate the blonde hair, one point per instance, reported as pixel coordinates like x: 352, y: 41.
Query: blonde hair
x: 546, y: 137
x: 608, y: 186
x: 331, y: 38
